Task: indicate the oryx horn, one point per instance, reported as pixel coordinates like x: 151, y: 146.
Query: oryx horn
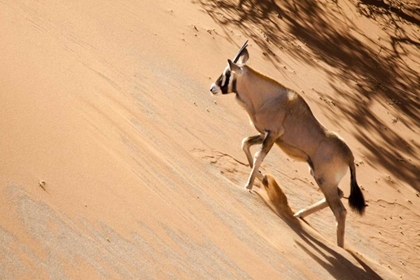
x: 240, y: 51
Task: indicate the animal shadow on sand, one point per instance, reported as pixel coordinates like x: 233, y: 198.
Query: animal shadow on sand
x: 332, y: 261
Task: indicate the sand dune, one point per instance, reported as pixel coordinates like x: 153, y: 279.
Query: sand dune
x: 117, y: 163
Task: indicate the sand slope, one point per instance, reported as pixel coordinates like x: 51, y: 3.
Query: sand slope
x: 116, y: 163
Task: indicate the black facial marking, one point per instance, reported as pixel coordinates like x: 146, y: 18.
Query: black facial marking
x: 225, y: 86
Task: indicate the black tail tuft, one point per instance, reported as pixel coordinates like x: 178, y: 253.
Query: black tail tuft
x: 356, y: 199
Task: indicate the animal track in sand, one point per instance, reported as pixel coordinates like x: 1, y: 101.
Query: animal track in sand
x: 237, y: 171
x: 230, y: 167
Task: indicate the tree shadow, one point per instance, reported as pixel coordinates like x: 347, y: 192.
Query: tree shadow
x: 372, y: 72
x: 406, y: 11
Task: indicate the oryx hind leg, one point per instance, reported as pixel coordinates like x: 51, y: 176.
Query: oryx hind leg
x: 340, y: 213
x: 246, y: 145
x: 315, y: 207
x: 328, y: 182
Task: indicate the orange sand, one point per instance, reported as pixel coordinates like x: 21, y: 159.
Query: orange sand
x: 117, y: 163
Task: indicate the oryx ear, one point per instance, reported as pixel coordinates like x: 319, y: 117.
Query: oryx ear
x: 233, y: 67
x: 244, y: 57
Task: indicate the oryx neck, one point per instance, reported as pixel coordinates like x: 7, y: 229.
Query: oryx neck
x: 255, y: 89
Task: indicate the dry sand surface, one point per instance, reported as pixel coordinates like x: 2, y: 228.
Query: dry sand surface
x: 117, y: 163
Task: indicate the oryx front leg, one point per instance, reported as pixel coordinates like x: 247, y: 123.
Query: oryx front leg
x: 246, y: 145
x: 267, y: 143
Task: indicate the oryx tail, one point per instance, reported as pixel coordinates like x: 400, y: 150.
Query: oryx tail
x: 356, y: 199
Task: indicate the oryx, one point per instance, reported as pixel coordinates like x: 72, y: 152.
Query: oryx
x: 282, y: 117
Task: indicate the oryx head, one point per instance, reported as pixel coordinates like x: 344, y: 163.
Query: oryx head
x: 226, y: 83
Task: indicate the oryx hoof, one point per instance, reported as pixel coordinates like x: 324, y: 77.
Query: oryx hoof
x: 248, y: 187
x: 298, y: 214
